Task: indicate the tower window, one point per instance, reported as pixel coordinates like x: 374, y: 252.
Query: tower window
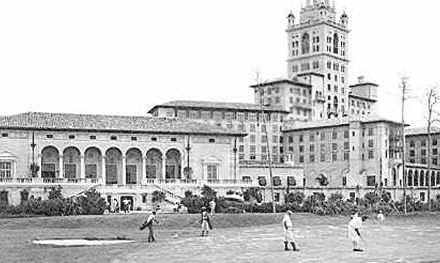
x: 335, y: 43
x: 305, y: 43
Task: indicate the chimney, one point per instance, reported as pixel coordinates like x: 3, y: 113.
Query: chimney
x: 361, y: 79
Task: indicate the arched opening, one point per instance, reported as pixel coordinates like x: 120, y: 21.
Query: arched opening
x: 154, y: 164
x: 305, y: 43
x: 335, y: 43
x: 432, y: 178
x: 422, y: 178
x: 93, y: 163
x: 113, y: 166
x: 410, y: 178
x: 133, y: 166
x: 416, y: 178
x: 173, y: 164
x: 72, y: 163
x: 438, y: 178
x: 394, y: 176
x: 50, y: 162
x: 335, y: 103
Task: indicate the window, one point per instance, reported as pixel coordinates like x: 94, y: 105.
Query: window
x: 92, y: 137
x: 423, y: 152
x: 334, y: 135
x: 5, y: 169
x: 212, y: 172
x: 322, y: 136
x: 346, y: 156
x: 412, y: 153
x: 344, y: 181
x: 346, y: 134
x: 334, y: 146
x: 252, y: 138
x: 301, y: 138
x: 346, y: 146
x: 434, y: 142
x: 411, y: 143
x: 423, y: 143
x: 370, y: 132
x: 154, y: 139
x: 301, y: 159
x: 334, y: 157
x: 370, y: 143
x: 312, y: 158
x: 371, y: 180
x: 241, y: 148
x: 435, y: 161
x: 322, y: 157
x: 435, y: 151
x: 252, y: 149
x: 113, y: 138
x: 49, y: 136
x: 312, y: 137
x: 301, y: 148
x: 211, y: 140
x: 134, y: 138
x: 370, y: 155
x: 5, y: 135
x: 312, y: 148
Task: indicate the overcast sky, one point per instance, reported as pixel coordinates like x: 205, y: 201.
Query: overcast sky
x: 123, y: 57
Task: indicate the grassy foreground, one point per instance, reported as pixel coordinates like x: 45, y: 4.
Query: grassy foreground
x: 17, y: 233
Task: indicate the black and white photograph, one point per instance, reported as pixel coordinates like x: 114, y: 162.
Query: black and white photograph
x: 219, y: 131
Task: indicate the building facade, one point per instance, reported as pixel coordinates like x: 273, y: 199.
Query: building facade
x: 319, y: 44
x: 242, y: 117
x: 133, y: 154
x: 346, y: 152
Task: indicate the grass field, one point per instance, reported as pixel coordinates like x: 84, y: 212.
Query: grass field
x: 237, y: 238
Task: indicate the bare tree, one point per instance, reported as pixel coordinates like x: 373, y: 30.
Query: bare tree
x: 433, y: 98
x: 403, y: 85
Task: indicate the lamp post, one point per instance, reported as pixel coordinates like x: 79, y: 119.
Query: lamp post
x: 269, y: 160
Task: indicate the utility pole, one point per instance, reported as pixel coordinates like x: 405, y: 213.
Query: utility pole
x: 403, y: 86
x: 269, y: 160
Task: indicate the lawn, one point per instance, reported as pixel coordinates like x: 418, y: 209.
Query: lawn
x: 236, y: 237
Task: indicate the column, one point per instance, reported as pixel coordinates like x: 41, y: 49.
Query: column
x: 103, y: 171
x: 60, y: 166
x: 164, y: 168
x: 144, y: 170
x: 124, y: 170
x: 82, y: 175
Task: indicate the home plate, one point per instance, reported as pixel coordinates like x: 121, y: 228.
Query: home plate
x: 79, y: 242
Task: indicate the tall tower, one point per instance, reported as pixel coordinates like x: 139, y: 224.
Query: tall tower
x: 317, y: 53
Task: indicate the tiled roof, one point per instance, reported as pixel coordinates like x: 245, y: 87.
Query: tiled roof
x: 421, y: 131
x: 216, y: 105
x: 297, y: 125
x: 282, y: 80
x: 104, y: 123
x: 357, y: 96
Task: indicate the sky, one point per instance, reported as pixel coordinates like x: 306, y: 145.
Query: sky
x: 123, y: 57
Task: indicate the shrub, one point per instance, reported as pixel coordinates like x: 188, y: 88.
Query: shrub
x: 295, y: 198
x: 158, y: 196
x: 253, y: 194
x: 91, y: 203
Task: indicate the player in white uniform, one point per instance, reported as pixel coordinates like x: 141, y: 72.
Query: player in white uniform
x: 288, y: 231
x: 354, y: 227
